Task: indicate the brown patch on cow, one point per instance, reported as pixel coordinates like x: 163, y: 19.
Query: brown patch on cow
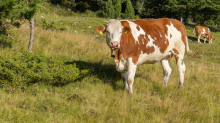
x: 152, y: 26
x: 138, y: 28
x: 170, y: 36
x: 141, y: 40
x: 175, y: 51
x: 149, y: 49
x: 130, y: 81
x: 177, y: 58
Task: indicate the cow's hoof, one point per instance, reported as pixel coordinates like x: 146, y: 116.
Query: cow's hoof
x: 164, y: 85
x: 180, y: 87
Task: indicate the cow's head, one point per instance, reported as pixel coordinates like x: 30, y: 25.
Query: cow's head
x: 114, y: 31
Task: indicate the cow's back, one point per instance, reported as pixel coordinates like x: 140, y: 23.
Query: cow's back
x: 149, y: 41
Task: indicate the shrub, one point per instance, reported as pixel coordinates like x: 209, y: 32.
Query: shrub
x: 35, y: 68
x: 90, y: 13
x: 211, y: 22
x: 100, y: 13
x: 129, y: 11
x: 109, y: 10
x: 47, y: 25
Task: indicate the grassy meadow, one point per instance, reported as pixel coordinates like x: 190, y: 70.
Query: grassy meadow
x: 99, y: 96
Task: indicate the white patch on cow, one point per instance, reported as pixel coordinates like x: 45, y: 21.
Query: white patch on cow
x: 113, y: 31
x: 131, y: 74
x: 203, y: 31
x: 203, y: 34
x: 135, y: 33
x: 176, y: 39
x: 151, y: 58
x: 150, y: 43
x: 160, y: 35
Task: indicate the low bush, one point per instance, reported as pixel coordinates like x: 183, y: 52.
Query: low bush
x: 37, y: 68
x: 48, y: 25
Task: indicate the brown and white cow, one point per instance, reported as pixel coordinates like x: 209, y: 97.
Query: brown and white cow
x: 204, y: 32
x: 137, y: 42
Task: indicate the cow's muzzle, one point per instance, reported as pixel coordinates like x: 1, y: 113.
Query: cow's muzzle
x: 114, y: 45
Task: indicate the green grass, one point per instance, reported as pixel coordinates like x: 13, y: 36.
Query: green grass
x: 99, y: 97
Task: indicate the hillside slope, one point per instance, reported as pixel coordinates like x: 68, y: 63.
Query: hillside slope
x: 99, y: 96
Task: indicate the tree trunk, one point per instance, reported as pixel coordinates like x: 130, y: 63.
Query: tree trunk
x: 73, y: 4
x: 142, y: 3
x: 181, y: 19
x: 31, y: 35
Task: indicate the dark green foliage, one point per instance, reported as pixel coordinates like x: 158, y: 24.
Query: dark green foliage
x: 47, y: 25
x: 51, y: 25
x: 139, y: 6
x: 14, y: 9
x: 129, y: 11
x: 117, y: 4
x: 199, y: 11
x: 217, y: 20
x: 109, y: 10
x: 35, y: 68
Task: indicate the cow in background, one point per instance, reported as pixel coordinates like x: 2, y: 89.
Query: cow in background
x: 137, y: 42
x: 204, y: 32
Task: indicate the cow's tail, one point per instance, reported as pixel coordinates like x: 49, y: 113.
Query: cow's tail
x: 192, y: 53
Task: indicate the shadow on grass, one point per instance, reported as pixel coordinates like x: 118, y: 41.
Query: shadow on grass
x: 194, y: 39
x: 106, y: 73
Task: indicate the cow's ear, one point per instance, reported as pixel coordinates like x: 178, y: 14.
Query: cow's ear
x: 126, y: 29
x: 100, y: 29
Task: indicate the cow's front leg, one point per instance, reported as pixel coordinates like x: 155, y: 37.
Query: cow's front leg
x: 131, y: 74
x: 125, y: 79
x: 204, y: 40
x: 199, y: 38
x: 210, y: 40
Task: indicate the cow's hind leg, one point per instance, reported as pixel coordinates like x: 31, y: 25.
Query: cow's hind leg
x: 181, y: 69
x: 125, y: 79
x: 166, y: 71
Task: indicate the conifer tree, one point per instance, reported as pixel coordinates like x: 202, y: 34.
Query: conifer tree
x: 117, y: 4
x: 11, y: 10
x: 129, y: 11
x: 109, y: 9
